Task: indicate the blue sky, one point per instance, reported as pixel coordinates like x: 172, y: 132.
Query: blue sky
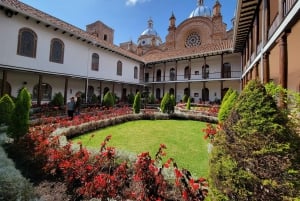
x: 128, y: 18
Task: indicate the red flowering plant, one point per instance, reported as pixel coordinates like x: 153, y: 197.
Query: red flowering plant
x: 210, y: 131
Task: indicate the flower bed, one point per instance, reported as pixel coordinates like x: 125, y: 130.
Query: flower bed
x: 103, y: 174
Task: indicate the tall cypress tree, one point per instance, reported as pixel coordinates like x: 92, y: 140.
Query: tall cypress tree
x: 19, y: 124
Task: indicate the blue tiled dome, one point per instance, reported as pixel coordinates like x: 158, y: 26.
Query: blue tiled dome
x: 201, y: 10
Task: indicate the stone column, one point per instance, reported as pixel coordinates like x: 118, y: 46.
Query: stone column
x: 39, y: 95
x: 266, y: 76
x: 4, y: 80
x: 66, y: 90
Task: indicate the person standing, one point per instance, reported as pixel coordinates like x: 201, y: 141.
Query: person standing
x: 71, y: 108
x: 78, y: 105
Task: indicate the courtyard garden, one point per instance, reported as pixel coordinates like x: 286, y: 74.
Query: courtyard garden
x: 156, y: 155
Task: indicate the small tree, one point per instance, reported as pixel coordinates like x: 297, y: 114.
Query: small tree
x: 227, y: 105
x: 137, y: 103
x: 188, y: 104
x: 58, y: 100
x: 108, y: 100
x: 7, y: 106
x: 19, y: 124
x: 164, y: 105
x: 172, y: 103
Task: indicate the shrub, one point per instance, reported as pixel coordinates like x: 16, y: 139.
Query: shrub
x: 19, y: 124
x: 227, y: 105
x: 137, y: 103
x: 108, y: 100
x: 185, y: 98
x: 94, y: 99
x: 13, y: 186
x: 256, y: 156
x: 188, y: 104
x: 130, y: 98
x: 6, y: 109
x: 165, y: 102
x: 58, y: 100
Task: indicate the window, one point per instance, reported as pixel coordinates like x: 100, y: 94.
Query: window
x: 27, y: 43
x: 172, y: 74
x: 226, y: 70
x: 105, y: 37
x: 187, y: 73
x: 158, y: 75
x: 135, y: 75
x: 205, y: 71
x: 172, y: 91
x: 57, y: 51
x: 95, y: 62
x: 119, y: 68
x: 46, y: 91
x: 205, y: 94
x: 157, y: 93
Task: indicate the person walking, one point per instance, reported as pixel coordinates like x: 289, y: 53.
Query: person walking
x: 70, y: 108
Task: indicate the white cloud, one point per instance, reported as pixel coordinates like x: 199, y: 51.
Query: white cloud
x: 133, y: 2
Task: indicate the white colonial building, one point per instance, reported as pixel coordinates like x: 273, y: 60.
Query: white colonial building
x: 48, y: 55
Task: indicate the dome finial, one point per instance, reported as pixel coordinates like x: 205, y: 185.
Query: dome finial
x: 150, y: 23
x: 200, y: 2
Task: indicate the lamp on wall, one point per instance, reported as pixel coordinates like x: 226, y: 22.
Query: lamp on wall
x: 24, y: 83
x: 9, y: 13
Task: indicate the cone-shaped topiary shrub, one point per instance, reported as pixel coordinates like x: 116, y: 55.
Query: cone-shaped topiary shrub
x: 185, y: 98
x: 19, y: 124
x: 256, y: 156
x: 108, y: 100
x: 165, y: 102
x: 137, y: 103
x: 227, y: 105
x: 7, y: 106
x: 188, y: 104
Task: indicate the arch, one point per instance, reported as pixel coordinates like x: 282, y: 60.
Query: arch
x: 135, y: 74
x: 119, y: 68
x: 157, y: 93
x: 187, y: 72
x: 158, y: 75
x: 171, y: 91
x: 226, y: 70
x: 57, y: 51
x: 27, y: 42
x: 205, y: 94
x: 7, y: 89
x: 172, y: 74
x: 95, y: 62
x: 105, y: 90
x: 46, y: 92
x: 205, y: 71
x: 187, y: 91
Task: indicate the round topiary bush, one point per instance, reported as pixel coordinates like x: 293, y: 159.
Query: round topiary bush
x: 108, y: 100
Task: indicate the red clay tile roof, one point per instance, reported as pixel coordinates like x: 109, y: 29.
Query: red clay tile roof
x: 177, y: 54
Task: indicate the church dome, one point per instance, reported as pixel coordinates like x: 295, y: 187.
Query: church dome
x: 149, y: 31
x: 201, y: 10
x: 149, y: 37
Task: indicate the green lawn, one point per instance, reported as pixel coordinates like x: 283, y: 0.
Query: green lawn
x: 184, y: 141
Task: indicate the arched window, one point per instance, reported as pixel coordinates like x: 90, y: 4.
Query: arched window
x: 135, y: 74
x: 205, y: 94
x: 106, y: 89
x: 226, y: 70
x: 158, y: 75
x: 172, y: 91
x: 187, y: 91
x: 172, y: 74
x: 7, y: 89
x: 46, y: 92
x: 57, y: 51
x: 224, y: 90
x: 95, y: 62
x: 157, y: 93
x: 205, y: 71
x: 27, y: 43
x: 186, y: 72
x: 119, y: 68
